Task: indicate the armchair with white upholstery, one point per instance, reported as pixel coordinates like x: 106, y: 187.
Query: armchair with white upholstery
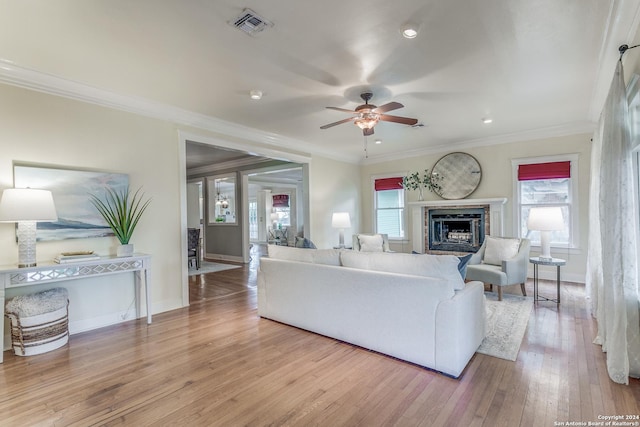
x: 501, y: 262
x: 371, y: 242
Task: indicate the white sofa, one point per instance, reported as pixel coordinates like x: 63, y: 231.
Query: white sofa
x: 413, y: 317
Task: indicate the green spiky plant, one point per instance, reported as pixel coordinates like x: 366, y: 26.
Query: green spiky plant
x: 120, y: 211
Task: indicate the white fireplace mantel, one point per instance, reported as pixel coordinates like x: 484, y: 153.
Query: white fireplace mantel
x: 496, y: 209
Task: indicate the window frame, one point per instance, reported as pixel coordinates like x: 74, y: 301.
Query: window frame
x: 403, y: 209
x: 574, y: 224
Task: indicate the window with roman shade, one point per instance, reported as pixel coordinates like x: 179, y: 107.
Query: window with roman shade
x: 540, y: 183
x: 389, y: 206
x: 281, y: 209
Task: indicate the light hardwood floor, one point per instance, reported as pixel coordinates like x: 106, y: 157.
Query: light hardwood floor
x: 216, y: 363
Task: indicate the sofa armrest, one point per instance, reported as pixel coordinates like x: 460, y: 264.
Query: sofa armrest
x: 460, y: 328
x: 516, y: 268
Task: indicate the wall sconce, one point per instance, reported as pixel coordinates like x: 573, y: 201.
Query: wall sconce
x: 341, y: 221
x: 27, y: 206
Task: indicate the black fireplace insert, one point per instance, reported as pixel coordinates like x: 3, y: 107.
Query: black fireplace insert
x: 456, y: 230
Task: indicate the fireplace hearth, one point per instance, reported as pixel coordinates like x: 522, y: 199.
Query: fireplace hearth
x: 456, y: 230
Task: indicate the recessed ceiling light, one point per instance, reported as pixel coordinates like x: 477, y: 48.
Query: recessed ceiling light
x: 487, y: 120
x: 255, y: 94
x: 378, y: 141
x: 410, y: 30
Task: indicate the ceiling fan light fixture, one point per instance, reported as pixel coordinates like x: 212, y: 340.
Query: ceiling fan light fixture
x: 366, y: 121
x: 255, y: 94
x: 409, y: 30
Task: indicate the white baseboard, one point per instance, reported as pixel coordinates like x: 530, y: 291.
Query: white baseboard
x: 84, y: 325
x: 222, y: 257
x: 109, y: 319
x: 167, y: 305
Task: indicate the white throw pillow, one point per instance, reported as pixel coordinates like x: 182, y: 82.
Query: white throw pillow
x: 500, y: 249
x: 370, y: 243
x: 443, y: 267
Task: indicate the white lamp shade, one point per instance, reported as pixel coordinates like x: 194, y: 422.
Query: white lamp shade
x: 27, y: 204
x: 340, y: 220
x: 545, y: 219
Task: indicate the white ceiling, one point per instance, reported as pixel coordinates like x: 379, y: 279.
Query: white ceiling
x: 536, y: 67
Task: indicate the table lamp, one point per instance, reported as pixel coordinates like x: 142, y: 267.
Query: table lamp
x: 27, y: 206
x: 545, y: 220
x: 341, y: 220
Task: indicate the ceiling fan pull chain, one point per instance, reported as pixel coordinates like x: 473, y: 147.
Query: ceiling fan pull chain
x: 366, y: 152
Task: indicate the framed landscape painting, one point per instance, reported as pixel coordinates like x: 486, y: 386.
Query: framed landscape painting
x: 71, y: 189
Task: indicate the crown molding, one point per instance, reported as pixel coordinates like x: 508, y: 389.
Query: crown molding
x: 530, y: 135
x: 19, y: 76
x: 232, y: 164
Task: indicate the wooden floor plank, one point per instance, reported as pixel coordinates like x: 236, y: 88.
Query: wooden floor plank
x: 216, y: 363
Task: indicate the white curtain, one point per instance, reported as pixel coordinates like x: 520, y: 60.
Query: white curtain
x: 612, y: 253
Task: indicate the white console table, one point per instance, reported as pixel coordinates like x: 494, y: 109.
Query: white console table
x: 13, y: 277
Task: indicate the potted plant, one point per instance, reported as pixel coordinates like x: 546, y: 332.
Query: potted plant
x: 417, y: 182
x: 122, y: 212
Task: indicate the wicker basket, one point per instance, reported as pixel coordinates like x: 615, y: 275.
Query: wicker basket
x: 39, y: 333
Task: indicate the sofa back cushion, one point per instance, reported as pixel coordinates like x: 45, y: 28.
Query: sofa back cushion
x: 443, y: 267
x: 316, y: 256
x: 499, y: 249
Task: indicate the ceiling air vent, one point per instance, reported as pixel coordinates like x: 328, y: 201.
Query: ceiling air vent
x: 250, y: 22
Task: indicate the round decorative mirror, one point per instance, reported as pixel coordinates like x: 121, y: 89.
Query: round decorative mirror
x: 457, y: 175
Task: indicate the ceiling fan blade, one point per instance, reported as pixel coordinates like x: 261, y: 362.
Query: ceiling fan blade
x: 341, y: 109
x: 388, y: 107
x: 367, y: 132
x: 397, y: 119
x: 350, y: 119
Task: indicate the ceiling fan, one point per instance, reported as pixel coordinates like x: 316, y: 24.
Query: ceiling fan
x: 366, y: 116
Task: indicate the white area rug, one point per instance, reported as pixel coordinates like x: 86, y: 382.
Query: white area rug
x: 211, y: 267
x: 506, y: 324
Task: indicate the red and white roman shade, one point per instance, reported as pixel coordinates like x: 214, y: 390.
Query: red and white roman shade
x: 550, y: 170
x: 383, y: 184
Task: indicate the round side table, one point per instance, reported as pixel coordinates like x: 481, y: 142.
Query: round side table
x: 537, y: 261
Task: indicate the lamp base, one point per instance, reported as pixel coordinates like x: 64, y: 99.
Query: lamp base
x: 545, y: 246
x: 341, y: 239
x: 27, y: 265
x: 26, y: 244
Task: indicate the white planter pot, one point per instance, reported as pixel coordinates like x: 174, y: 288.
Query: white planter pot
x: 125, y: 250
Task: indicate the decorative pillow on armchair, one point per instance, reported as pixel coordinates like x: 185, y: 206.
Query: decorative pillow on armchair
x: 371, y: 243
x: 499, y: 249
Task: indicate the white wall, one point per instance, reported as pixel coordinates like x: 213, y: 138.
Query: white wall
x: 334, y: 187
x: 194, y: 208
x: 497, y: 181
x: 40, y: 129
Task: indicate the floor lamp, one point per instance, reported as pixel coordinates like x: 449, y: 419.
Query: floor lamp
x: 27, y: 206
x: 545, y: 220
x: 341, y: 220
